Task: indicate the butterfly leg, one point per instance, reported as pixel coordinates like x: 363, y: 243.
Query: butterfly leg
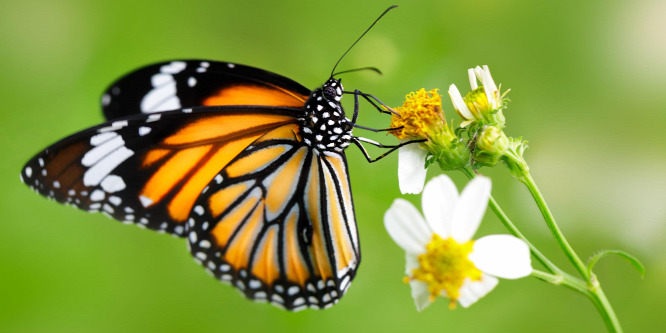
x: 377, y: 130
x: 357, y: 141
x: 371, y: 99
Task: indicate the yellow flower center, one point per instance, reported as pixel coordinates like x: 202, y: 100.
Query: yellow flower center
x: 444, y: 267
x: 420, y: 116
x: 477, y: 103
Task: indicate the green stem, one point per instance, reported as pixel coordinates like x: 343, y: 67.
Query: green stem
x: 554, y: 228
x: 593, y: 292
x: 514, y: 230
x: 562, y: 279
x: 593, y: 288
x: 604, y: 307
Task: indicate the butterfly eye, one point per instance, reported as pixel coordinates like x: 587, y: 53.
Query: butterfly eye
x: 329, y: 92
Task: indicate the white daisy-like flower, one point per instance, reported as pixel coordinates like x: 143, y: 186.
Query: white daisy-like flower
x: 442, y: 259
x: 478, y: 104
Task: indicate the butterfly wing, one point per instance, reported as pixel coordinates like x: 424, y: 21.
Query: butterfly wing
x: 150, y: 169
x: 278, y: 223
x: 187, y: 83
x: 260, y: 207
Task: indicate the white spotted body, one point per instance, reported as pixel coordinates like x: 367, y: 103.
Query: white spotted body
x: 325, y: 126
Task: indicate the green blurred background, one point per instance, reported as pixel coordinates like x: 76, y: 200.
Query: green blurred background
x: 588, y: 85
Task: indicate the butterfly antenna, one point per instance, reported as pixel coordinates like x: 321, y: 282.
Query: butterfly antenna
x: 373, y: 69
x: 359, y: 38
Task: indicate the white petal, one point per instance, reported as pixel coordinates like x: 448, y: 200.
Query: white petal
x: 503, y: 256
x: 489, y: 87
x: 470, y: 209
x: 411, y: 168
x: 459, y: 103
x: 472, y: 291
x: 420, y: 294
x: 471, y: 74
x: 411, y: 263
x: 407, y: 227
x: 438, y: 202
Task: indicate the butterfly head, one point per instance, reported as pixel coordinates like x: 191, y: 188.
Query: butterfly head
x: 332, y: 90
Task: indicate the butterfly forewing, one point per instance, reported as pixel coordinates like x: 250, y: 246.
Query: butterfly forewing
x: 149, y: 169
x: 283, y: 233
x: 188, y: 83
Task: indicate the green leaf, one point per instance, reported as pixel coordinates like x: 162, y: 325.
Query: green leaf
x: 632, y: 260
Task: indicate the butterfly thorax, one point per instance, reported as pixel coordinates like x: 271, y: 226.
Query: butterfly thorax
x: 325, y: 126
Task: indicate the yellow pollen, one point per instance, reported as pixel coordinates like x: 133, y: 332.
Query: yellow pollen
x: 420, y: 116
x: 444, y: 267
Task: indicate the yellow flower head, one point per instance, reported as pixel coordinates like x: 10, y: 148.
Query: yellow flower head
x: 445, y: 266
x: 477, y: 102
x: 420, y: 116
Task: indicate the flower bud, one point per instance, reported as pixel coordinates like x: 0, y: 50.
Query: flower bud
x: 491, y: 145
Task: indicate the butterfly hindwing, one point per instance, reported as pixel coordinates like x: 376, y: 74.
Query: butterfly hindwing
x: 188, y: 83
x: 149, y: 169
x: 283, y: 231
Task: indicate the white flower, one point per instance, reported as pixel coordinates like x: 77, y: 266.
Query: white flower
x: 442, y: 260
x: 478, y: 104
x: 489, y: 86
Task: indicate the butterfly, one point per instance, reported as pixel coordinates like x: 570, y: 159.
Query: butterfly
x: 247, y: 165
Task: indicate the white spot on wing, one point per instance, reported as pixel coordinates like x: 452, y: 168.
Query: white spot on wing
x: 116, y: 125
x: 145, y: 201
x: 173, y: 67
x: 106, y: 99
x: 98, y: 139
x: 191, y: 82
x: 101, y: 169
x: 28, y: 172
x: 97, y: 195
x: 94, y: 155
x: 161, y: 79
x: 115, y: 200
x: 161, y: 98
x: 153, y: 117
x: 113, y: 183
x: 143, y: 130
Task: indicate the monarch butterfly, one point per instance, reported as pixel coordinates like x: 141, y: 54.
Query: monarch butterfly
x: 247, y: 165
